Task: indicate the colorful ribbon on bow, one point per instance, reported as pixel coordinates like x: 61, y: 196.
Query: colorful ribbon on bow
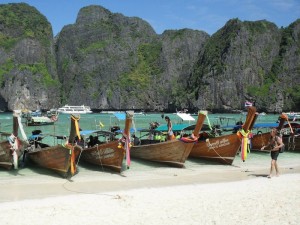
x: 245, y: 147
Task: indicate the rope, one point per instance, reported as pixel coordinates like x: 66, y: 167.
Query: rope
x: 98, y: 151
x: 88, y: 193
x: 210, y: 145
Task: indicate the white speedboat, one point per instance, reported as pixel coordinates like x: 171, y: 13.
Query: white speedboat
x: 69, y: 109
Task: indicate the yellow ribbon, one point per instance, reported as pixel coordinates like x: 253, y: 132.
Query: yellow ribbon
x: 245, y: 146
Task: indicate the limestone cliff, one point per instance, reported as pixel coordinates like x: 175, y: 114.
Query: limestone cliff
x: 245, y: 61
x: 109, y: 61
x: 28, y: 70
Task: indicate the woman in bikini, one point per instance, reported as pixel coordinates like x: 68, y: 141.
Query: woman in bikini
x: 170, y: 128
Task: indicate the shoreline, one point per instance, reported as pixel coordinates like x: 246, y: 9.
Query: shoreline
x: 91, y: 181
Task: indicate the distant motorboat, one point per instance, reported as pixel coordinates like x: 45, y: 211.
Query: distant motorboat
x: 68, y: 109
x: 41, y: 120
x: 38, y: 119
x: 29, y: 113
x: 248, y: 104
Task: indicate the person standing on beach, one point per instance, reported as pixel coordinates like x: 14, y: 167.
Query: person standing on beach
x: 276, y: 144
x: 170, y: 128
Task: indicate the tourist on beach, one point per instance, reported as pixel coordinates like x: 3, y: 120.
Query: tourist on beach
x: 170, y: 128
x: 276, y: 144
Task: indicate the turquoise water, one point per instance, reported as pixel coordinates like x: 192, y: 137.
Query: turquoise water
x: 92, y: 121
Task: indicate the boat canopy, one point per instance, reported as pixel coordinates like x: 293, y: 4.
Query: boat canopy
x: 175, y: 127
x: 41, y: 136
x: 41, y: 119
x: 256, y: 125
x: 120, y: 115
x: 96, y: 132
x: 265, y: 125
x: 185, y: 117
x: 180, y: 127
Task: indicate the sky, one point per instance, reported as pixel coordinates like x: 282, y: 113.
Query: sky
x: 204, y: 15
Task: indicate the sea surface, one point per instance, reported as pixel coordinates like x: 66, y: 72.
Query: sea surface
x: 92, y: 122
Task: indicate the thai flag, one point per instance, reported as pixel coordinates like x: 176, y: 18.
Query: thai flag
x: 248, y: 104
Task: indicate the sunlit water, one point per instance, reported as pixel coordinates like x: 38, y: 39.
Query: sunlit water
x: 92, y: 121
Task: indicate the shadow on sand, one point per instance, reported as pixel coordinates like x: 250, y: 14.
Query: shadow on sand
x: 258, y: 175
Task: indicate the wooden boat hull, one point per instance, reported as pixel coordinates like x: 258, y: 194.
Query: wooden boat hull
x: 6, y: 157
x: 260, y: 140
x: 221, y: 149
x: 292, y: 143
x: 106, y: 155
x: 56, y: 158
x: 173, y: 152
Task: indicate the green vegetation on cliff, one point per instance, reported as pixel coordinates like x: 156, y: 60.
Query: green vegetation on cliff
x: 22, y: 21
x: 46, y: 80
x: 143, y: 75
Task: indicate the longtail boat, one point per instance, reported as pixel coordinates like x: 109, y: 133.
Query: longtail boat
x: 60, y: 158
x: 12, y: 148
x: 224, y: 148
x: 40, y: 120
x: 291, y: 136
x: 173, y: 152
x: 103, y: 149
x: 287, y: 129
x: 260, y: 138
x: 292, y: 142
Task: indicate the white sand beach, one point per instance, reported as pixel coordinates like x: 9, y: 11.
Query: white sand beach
x: 203, y: 194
